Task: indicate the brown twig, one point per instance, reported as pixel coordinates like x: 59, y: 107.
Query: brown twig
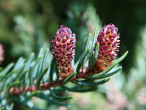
x: 47, y: 85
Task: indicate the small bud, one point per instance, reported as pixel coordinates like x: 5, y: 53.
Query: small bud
x: 108, y: 39
x: 42, y: 86
x: 12, y: 90
x: 34, y: 88
x: 17, y: 91
x: 63, y: 48
x: 27, y: 89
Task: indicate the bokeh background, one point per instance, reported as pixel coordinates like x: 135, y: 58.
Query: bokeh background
x: 28, y: 25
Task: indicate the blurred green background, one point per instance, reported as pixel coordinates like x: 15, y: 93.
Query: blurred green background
x: 28, y: 25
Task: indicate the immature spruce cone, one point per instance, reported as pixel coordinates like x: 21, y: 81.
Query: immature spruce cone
x: 1, y: 53
x: 63, y: 50
x: 108, y: 39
